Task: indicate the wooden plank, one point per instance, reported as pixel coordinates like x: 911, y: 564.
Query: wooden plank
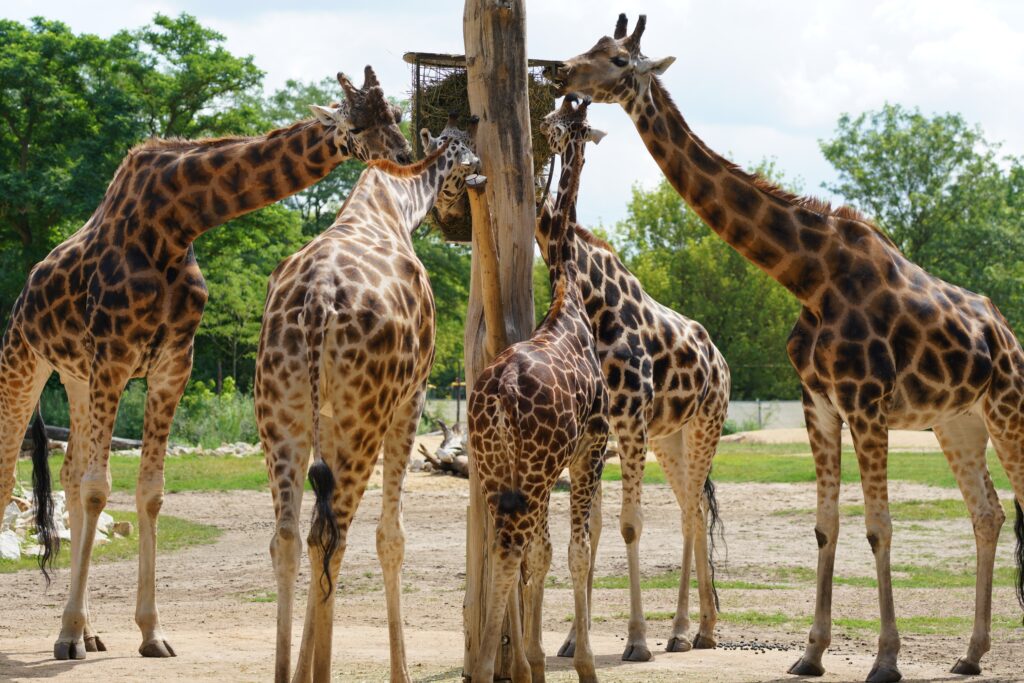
x: 496, y: 66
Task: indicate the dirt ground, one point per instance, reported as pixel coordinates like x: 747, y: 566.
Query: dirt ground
x: 899, y: 439
x: 217, y: 608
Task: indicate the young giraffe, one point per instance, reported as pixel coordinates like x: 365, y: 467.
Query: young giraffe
x: 345, y: 350
x: 880, y: 343
x: 669, y: 385
x: 122, y: 298
x: 539, y: 407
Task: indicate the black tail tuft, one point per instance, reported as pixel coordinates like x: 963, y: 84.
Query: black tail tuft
x: 1018, y: 530
x: 324, y: 530
x: 715, y: 527
x: 512, y: 503
x: 45, y: 525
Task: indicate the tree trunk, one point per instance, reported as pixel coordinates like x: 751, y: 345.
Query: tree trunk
x: 495, y: 37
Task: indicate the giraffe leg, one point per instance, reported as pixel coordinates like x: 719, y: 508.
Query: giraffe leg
x: 398, y: 444
x: 351, y: 469
x: 568, y: 648
x: 701, y: 437
x: 824, y: 428
x: 106, y: 384
x: 71, y: 476
x: 585, y: 472
x: 507, y: 558
x: 964, y: 440
x: 871, y: 442
x: 166, y: 383
x: 671, y: 453
x: 538, y: 563
x: 22, y: 377
x: 286, y: 464
x: 631, y: 524
x: 521, y: 670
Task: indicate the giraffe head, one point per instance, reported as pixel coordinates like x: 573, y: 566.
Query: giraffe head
x: 366, y: 124
x: 568, y: 124
x: 461, y: 162
x: 614, y: 70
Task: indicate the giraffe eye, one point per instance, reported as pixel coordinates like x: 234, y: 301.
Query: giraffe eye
x: 356, y: 131
x: 620, y: 61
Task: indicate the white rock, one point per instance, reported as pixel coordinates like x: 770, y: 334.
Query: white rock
x: 11, y: 513
x: 104, y: 523
x: 100, y: 539
x: 10, y: 546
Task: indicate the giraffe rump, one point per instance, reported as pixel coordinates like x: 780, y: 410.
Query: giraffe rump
x: 46, y: 528
x: 511, y: 501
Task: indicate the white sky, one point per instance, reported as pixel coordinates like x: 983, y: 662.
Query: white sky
x: 754, y: 79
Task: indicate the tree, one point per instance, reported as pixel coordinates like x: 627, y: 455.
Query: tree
x: 448, y: 266
x: 685, y: 266
x: 939, y: 189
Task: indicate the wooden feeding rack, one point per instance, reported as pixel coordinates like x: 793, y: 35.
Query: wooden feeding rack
x: 439, y: 89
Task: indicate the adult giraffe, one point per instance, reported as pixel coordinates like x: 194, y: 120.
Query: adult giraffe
x: 880, y: 343
x: 122, y: 298
x: 668, y: 386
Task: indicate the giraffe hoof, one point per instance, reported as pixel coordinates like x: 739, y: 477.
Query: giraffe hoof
x: 805, y: 668
x: 94, y: 644
x: 702, y: 642
x: 965, y: 668
x: 678, y: 644
x: 156, y: 648
x: 636, y: 653
x: 884, y: 674
x: 568, y: 648
x: 69, y: 649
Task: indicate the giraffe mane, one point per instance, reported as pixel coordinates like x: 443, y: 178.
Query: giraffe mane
x: 181, y: 144
x: 822, y: 207
x: 408, y: 170
x: 594, y: 240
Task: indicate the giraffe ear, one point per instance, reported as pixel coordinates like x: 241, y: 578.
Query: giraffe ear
x: 327, y: 115
x: 426, y: 139
x: 656, y: 67
x: 594, y: 135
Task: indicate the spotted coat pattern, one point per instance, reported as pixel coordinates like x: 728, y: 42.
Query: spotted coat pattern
x: 880, y: 344
x: 345, y: 349
x: 122, y: 298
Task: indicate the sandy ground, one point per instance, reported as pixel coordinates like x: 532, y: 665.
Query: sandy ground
x: 208, y: 594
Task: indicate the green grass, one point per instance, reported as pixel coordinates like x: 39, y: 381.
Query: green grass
x: 791, y: 463
x: 903, y: 576
x: 181, y: 472
x: 906, y: 625
x: 174, y: 533
x: 909, y: 510
x: 671, y: 580
x: 261, y: 596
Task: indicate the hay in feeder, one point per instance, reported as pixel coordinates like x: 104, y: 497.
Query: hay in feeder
x: 440, y: 89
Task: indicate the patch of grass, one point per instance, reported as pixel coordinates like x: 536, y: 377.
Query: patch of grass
x: 927, y: 625
x: 262, y: 596
x: 791, y: 463
x: 926, y: 510
x: 903, y: 576
x: 671, y: 580
x: 181, y: 473
x: 174, y: 533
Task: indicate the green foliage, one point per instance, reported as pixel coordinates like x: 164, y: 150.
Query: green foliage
x: 684, y: 265
x: 937, y: 187
x: 208, y: 419
x: 448, y: 266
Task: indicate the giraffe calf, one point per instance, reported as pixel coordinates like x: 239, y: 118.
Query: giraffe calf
x: 539, y: 407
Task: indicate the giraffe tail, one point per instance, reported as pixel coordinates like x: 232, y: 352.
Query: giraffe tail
x: 511, y: 501
x: 324, y: 531
x: 1018, y: 530
x: 715, y: 528
x: 46, y: 527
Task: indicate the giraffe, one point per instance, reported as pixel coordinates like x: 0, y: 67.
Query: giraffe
x: 879, y: 344
x: 669, y: 385
x: 539, y: 407
x: 122, y: 298
x: 345, y: 350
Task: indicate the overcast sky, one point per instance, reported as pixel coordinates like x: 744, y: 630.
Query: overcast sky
x: 754, y: 79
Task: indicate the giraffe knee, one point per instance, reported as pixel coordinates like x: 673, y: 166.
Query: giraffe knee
x: 821, y: 537
x: 873, y: 542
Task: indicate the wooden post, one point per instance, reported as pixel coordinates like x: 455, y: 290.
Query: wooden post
x: 490, y: 277
x: 495, y: 37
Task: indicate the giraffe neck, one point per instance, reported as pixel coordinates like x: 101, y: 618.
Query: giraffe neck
x: 411, y: 190
x: 557, y: 226
x: 770, y: 228
x: 208, y: 182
